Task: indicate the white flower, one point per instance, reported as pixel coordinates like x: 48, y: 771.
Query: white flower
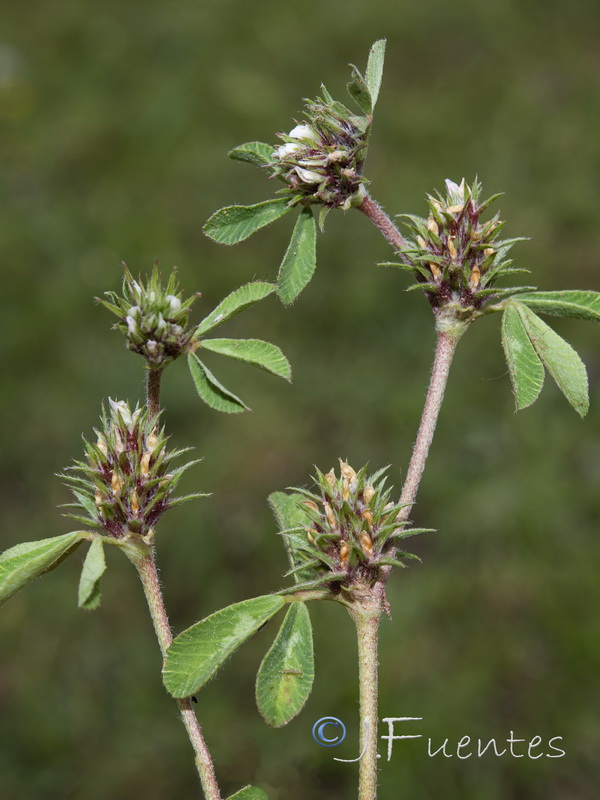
x: 174, y: 304
x: 287, y: 149
x: 132, y: 327
x: 456, y: 192
x: 304, y: 132
x: 308, y: 176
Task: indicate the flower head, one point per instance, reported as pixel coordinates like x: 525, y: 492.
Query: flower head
x: 153, y: 318
x: 341, y: 535
x: 126, y: 482
x: 456, y: 256
x: 321, y: 160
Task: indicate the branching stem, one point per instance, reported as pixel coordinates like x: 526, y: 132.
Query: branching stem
x: 379, y: 218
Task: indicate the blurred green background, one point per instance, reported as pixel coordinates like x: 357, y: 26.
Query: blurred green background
x: 115, y: 121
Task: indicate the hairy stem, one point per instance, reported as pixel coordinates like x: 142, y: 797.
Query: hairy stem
x: 446, y: 346
x: 379, y: 218
x: 146, y: 567
x: 153, y: 379
x: 366, y: 620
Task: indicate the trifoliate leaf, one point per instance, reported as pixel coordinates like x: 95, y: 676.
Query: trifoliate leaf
x: 560, y: 359
x: 94, y: 567
x: 235, y: 302
x: 286, y: 675
x: 253, y: 351
x: 249, y: 793
x: 233, y: 224
x: 300, y: 259
x: 525, y: 368
x: 197, y: 653
x: 257, y: 153
x: 570, y: 303
x: 374, y: 72
x: 211, y: 391
x: 22, y: 563
x: 358, y: 89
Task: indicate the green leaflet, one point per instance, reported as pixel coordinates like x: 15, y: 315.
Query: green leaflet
x: 211, y: 391
x: 249, y: 793
x: 22, y: 563
x: 571, y: 303
x: 300, y: 259
x: 374, y: 72
x: 257, y: 153
x: 525, y: 368
x: 94, y: 567
x: 235, y: 302
x: 253, y: 351
x: 560, y: 359
x: 286, y: 675
x: 358, y: 89
x: 233, y: 224
x: 289, y: 515
x: 197, y: 653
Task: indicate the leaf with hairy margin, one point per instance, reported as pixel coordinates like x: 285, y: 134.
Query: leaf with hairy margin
x: 233, y: 304
x: 211, y: 391
x: 19, y: 565
x: 300, y: 259
x: 197, y: 653
x: 569, y: 303
x: 261, y: 354
x: 233, y: 224
x: 257, y: 153
x: 560, y: 359
x: 524, y: 366
x: 285, y: 678
x: 93, y: 569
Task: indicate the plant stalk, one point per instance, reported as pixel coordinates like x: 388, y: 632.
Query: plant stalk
x: 380, y: 219
x: 366, y: 620
x: 146, y: 567
x: 153, y: 379
x: 444, y: 353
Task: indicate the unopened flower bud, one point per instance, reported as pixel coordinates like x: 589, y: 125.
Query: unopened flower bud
x: 308, y: 176
x: 331, y: 479
x: 116, y: 483
x: 452, y: 248
x: 347, y: 472
x: 330, y: 516
x: 304, y: 132
x: 366, y: 544
x: 344, y: 552
x: 433, y: 226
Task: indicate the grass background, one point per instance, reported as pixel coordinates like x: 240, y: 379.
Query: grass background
x: 115, y: 122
